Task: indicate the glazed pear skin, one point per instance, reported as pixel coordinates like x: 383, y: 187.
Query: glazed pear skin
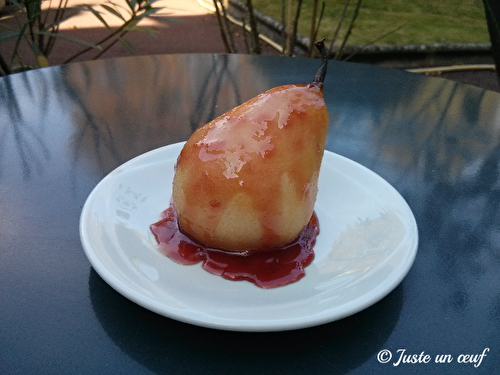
x: 248, y: 180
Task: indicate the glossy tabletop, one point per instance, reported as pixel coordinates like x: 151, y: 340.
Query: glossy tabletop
x: 63, y: 129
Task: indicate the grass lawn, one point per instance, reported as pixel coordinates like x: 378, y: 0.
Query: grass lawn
x: 405, y: 21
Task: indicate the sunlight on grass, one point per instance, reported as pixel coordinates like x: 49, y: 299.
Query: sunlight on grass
x: 415, y: 22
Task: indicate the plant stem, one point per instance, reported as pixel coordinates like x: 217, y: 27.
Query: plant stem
x: 253, y: 27
x: 102, y: 41
x: 288, y: 45
x: 226, y: 26
x: 340, y: 51
x: 313, y: 27
x: 4, y: 66
x: 104, y: 50
x: 284, y: 23
x: 58, y: 16
x: 245, y: 35
x: 492, y: 11
x: 341, y: 20
x: 223, y: 32
x: 293, y: 39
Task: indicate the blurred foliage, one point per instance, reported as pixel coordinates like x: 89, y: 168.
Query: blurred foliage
x: 292, y: 15
x: 36, y: 23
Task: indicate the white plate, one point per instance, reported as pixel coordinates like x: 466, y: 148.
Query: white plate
x: 366, y: 246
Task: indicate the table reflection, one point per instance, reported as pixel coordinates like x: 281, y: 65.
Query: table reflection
x: 62, y: 129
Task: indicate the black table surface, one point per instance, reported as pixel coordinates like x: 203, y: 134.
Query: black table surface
x: 62, y: 129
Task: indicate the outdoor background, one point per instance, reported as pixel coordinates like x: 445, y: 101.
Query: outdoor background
x: 402, y: 21
x: 405, y: 34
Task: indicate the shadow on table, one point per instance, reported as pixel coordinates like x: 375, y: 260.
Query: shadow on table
x: 159, y: 343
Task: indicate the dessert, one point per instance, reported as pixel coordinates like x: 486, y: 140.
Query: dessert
x: 246, y: 182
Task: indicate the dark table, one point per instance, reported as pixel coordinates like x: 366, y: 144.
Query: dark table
x: 63, y: 129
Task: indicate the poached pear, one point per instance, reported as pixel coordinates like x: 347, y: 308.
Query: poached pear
x: 248, y: 180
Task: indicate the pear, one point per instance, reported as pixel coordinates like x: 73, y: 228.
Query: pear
x: 247, y: 181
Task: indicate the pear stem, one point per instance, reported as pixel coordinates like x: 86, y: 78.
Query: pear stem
x: 319, y: 79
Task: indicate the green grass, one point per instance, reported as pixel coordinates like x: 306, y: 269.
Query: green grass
x: 405, y: 21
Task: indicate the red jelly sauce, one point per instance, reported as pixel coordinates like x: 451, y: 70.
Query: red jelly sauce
x: 266, y: 269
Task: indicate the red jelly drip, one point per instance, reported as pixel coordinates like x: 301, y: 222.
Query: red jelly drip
x: 266, y: 269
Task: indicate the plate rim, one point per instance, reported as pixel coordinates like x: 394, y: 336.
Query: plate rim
x: 237, y: 324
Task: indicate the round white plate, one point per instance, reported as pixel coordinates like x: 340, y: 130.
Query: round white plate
x: 367, y: 244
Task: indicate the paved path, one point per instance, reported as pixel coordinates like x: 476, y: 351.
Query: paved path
x: 196, y: 30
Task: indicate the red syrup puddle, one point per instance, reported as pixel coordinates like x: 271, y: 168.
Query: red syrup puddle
x: 266, y: 269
